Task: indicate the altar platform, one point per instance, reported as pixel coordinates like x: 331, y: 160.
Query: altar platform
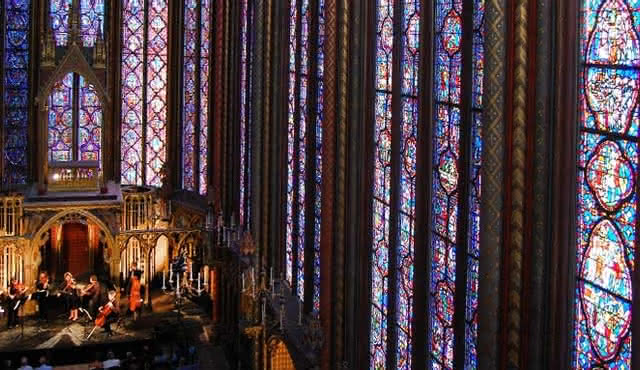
x: 61, y: 334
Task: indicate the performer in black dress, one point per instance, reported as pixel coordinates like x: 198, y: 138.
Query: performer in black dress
x: 71, y: 299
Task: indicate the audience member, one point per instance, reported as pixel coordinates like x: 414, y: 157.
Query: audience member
x: 111, y: 361
x: 24, y: 364
x: 43, y: 364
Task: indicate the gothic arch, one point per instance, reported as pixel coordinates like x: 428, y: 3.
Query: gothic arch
x: 40, y: 236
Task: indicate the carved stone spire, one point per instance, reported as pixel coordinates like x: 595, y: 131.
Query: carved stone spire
x: 99, y: 51
x: 48, y: 47
x: 74, y: 24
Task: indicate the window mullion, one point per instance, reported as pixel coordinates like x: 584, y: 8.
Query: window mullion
x: 198, y: 105
x: 75, y: 117
x: 145, y: 52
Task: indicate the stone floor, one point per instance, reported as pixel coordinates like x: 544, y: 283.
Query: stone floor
x: 62, y: 333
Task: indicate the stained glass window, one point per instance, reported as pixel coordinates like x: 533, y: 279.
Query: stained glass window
x: 384, y: 161
x: 15, y: 74
x: 91, y: 20
x: 453, y: 178
x: 381, y: 184
x: 304, y: 141
x: 607, y: 194
x: 455, y: 173
x: 75, y: 120
x: 195, y: 107
x: 245, y: 111
x: 144, y: 91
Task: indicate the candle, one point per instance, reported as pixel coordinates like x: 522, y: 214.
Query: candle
x: 198, y: 283
x: 191, y: 271
x: 178, y: 286
x: 164, y: 274
x: 243, y: 281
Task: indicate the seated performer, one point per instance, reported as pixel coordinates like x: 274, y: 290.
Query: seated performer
x: 91, y: 295
x: 42, y: 295
x: 135, y: 300
x: 108, y: 313
x: 71, y: 301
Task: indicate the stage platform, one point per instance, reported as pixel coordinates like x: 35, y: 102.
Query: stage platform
x: 60, y: 333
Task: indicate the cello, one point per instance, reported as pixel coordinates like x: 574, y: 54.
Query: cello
x: 104, y: 312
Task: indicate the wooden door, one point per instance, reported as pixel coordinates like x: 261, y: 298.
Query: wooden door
x: 75, y: 238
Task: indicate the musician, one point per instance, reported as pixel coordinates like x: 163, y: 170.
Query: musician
x: 72, y: 301
x: 16, y: 298
x: 133, y: 270
x: 135, y: 300
x: 108, y: 313
x: 91, y: 294
x: 42, y: 295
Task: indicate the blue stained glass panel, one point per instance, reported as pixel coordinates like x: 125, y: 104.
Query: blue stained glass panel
x: 607, y: 173
x: 16, y: 90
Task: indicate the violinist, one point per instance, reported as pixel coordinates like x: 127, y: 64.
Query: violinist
x: 42, y: 295
x: 68, y: 288
x: 16, y: 298
x: 91, y: 294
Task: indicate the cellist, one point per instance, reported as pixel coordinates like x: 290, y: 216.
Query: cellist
x: 107, y: 314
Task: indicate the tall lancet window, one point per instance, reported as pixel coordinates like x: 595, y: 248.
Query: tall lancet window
x: 75, y: 121
x: 195, y: 98
x: 91, y: 20
x: 246, y: 55
x: 14, y: 104
x: 395, y: 135
x: 607, y: 191
x: 455, y: 165
x: 457, y: 149
x: 304, y: 149
x: 145, y: 27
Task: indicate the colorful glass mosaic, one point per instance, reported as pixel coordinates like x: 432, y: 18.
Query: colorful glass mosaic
x: 89, y: 122
x: 607, y: 171
x: 16, y: 89
x: 381, y: 185
x: 74, y: 127
x: 91, y: 20
x: 245, y: 113
x: 144, y: 67
x: 61, y: 120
